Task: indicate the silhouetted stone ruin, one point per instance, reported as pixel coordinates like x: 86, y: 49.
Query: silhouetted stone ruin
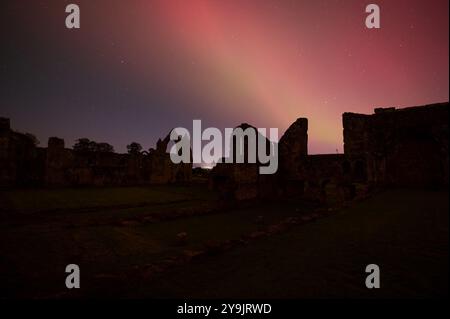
x: 24, y: 164
x: 398, y: 147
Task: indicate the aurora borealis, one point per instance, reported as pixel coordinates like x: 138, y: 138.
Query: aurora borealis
x: 137, y: 68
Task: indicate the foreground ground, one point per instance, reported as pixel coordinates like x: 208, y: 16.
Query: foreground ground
x: 405, y: 232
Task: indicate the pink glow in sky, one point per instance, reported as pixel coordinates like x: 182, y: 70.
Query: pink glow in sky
x: 262, y: 62
x: 313, y: 59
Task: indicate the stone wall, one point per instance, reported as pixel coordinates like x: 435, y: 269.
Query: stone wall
x: 293, y: 150
x: 401, y: 146
x: 17, y: 154
x: 242, y: 181
x: 24, y: 164
x: 405, y: 147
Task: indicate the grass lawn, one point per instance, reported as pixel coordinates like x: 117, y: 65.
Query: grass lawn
x: 99, y: 205
x: 44, y: 200
x: 34, y: 251
x: 404, y: 232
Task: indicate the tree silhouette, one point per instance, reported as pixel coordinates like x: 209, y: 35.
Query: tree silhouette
x: 86, y: 145
x: 104, y: 148
x: 134, y: 148
x: 83, y: 145
x: 32, y: 138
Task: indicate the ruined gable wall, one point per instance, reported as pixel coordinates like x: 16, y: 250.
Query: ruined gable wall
x: 17, y: 157
x: 293, y: 148
x: 401, y: 146
x: 355, y: 132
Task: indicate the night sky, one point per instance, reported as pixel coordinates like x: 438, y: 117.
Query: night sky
x: 136, y: 69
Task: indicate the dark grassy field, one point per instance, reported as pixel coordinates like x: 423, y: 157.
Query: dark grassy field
x: 44, y: 230
x: 405, y: 232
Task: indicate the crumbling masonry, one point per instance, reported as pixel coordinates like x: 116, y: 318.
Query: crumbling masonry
x: 403, y: 147
x: 24, y: 164
x: 398, y: 147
